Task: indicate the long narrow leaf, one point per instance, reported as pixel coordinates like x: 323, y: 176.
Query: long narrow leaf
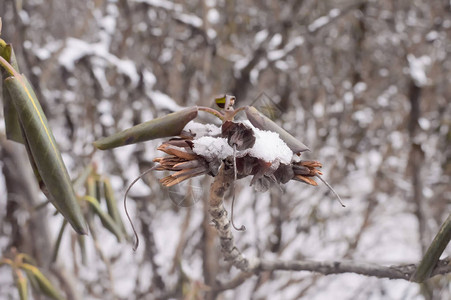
x: 112, y: 204
x: 58, y: 241
x: 45, y: 285
x: 107, y: 221
x: 167, y: 126
x: 433, y: 253
x: 261, y: 121
x: 78, y: 183
x: 12, y: 126
x: 45, y: 152
x: 82, y: 244
x: 22, y: 284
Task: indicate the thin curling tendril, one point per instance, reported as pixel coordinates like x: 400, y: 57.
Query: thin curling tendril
x: 332, y: 190
x: 135, y: 246
x: 242, y: 228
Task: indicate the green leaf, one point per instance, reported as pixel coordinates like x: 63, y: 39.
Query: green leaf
x: 82, y: 244
x: 166, y: 126
x: 112, y: 204
x: 22, y: 284
x: 45, y: 286
x: 433, y: 253
x: 78, y: 183
x: 58, y: 241
x: 107, y: 221
x: 264, y: 123
x: 12, y: 126
x: 45, y: 152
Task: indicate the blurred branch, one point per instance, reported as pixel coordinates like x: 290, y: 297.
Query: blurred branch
x: 339, y: 267
x: 231, y: 253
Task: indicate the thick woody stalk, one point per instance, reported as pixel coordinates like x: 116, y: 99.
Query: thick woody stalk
x: 216, y: 209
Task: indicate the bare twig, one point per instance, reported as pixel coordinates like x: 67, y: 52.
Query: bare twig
x: 339, y: 267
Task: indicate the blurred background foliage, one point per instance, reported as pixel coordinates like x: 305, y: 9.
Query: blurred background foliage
x: 365, y: 84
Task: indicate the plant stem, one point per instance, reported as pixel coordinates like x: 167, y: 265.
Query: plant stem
x: 216, y: 209
x: 432, y: 255
x: 7, y: 66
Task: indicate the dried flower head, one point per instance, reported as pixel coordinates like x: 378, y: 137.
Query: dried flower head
x: 261, y: 154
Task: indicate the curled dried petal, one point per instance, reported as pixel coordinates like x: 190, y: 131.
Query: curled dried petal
x: 304, y: 179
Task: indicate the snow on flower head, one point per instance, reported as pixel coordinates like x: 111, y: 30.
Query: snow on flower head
x: 268, y: 145
x: 212, y: 148
x: 201, y: 149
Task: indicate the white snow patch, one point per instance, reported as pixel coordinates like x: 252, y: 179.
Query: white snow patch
x: 275, y: 41
x: 364, y: 117
x: 269, y: 147
x: 424, y: 123
x: 322, y: 21
x: 76, y: 49
x: 360, y: 87
x: 211, y: 33
x: 241, y: 63
x: 192, y: 20
x: 280, y: 53
x: 213, y: 16
x: 202, y: 129
x: 24, y: 17
x: 163, y: 101
x: 417, y: 68
x: 318, y: 109
x: 169, y: 5
x: 260, y: 36
x: 149, y: 78
x: 212, y: 148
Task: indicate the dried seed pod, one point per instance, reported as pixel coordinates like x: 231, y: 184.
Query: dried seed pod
x: 238, y: 134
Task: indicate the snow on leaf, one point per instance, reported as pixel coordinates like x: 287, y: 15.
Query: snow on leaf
x: 322, y: 21
x: 76, y: 49
x: 202, y: 129
x: 163, y: 101
x: 269, y: 147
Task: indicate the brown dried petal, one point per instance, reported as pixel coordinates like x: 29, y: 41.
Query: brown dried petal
x: 179, y: 152
x: 190, y: 172
x: 301, y: 170
x: 304, y: 179
x: 187, y: 165
x: 311, y: 163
